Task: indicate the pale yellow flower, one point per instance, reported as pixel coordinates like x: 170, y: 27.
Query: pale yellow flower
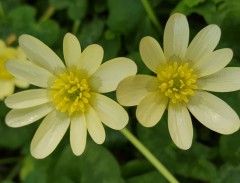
x: 182, y: 75
x: 70, y: 95
x: 8, y: 81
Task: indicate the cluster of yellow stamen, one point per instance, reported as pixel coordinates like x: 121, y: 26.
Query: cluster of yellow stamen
x: 4, y: 74
x: 178, y: 82
x: 70, y: 93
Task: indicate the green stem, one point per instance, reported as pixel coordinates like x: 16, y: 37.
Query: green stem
x: 9, y: 160
x: 48, y: 13
x: 152, y: 15
x: 13, y: 173
x: 75, y: 26
x: 2, y: 14
x: 151, y: 158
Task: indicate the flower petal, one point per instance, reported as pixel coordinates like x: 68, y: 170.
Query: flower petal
x: 214, y: 113
x: 225, y: 80
x: 29, y: 72
x: 94, y: 126
x: 21, y: 84
x: 71, y: 50
x: 203, y: 43
x: 78, y: 134
x: 151, y: 109
x: 21, y: 117
x: 110, y: 112
x: 7, y: 88
x: 151, y: 53
x: 180, y: 125
x: 28, y: 98
x: 49, y: 134
x: 133, y: 89
x: 41, y: 54
x: 176, y: 37
x: 216, y: 61
x: 109, y: 74
x: 90, y: 59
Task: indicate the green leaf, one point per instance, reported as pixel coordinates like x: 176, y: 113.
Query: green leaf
x: 150, y: 177
x: 77, y: 9
x: 59, y: 4
x: 125, y: 15
x: 228, y: 174
x: 36, y: 177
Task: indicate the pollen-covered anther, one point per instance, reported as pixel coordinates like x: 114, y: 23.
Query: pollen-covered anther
x: 70, y: 93
x: 177, y: 82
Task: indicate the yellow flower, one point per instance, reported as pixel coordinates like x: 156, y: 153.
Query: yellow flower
x: 7, y: 81
x: 182, y: 74
x: 70, y: 95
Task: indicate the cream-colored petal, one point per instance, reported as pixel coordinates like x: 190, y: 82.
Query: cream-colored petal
x: 49, y: 134
x: 90, y: 59
x: 110, y: 112
x: 7, y: 88
x: 29, y: 72
x: 78, y: 134
x: 151, y: 53
x: 214, y: 62
x: 21, y: 84
x: 109, y: 74
x: 71, y: 50
x: 176, y: 37
x: 225, y: 80
x: 203, y: 43
x: 28, y: 98
x: 21, y: 117
x: 151, y: 108
x: 214, y: 113
x: 180, y: 125
x: 95, y: 126
x: 133, y: 89
x: 41, y: 54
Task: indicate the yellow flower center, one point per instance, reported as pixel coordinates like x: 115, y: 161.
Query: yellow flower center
x: 70, y: 93
x: 4, y: 74
x: 178, y: 82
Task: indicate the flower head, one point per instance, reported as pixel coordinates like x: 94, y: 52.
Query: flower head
x: 70, y: 94
x: 183, y: 75
x: 7, y: 80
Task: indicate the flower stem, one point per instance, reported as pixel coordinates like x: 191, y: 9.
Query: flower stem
x: 152, y: 15
x: 48, y: 13
x: 151, y: 158
x: 75, y: 27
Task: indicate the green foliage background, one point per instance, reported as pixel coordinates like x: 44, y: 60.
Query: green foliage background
x: 118, y: 25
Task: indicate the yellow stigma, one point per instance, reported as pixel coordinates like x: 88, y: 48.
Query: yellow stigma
x: 4, y: 74
x: 70, y: 93
x: 177, y: 82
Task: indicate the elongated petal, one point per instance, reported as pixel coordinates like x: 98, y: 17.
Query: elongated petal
x: 21, y: 117
x: 94, y: 126
x: 7, y: 88
x: 214, y: 113
x: 110, y: 112
x: 180, y: 125
x: 71, y: 50
x: 151, y: 109
x: 203, y: 43
x: 216, y: 61
x: 28, y: 98
x: 78, y: 134
x: 225, y: 80
x: 41, y: 54
x: 49, y: 134
x: 29, y: 72
x: 21, y: 84
x: 133, y: 89
x: 90, y: 59
x: 109, y: 74
x: 176, y: 37
x: 151, y: 53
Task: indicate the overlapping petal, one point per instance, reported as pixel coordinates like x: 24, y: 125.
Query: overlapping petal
x: 151, y: 109
x: 133, y: 89
x: 214, y: 113
x: 109, y: 74
x: 49, y: 134
x: 180, y: 125
x: 176, y: 37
